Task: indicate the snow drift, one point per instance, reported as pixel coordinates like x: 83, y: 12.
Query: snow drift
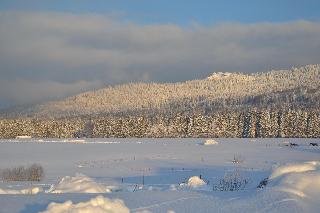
x: 302, y: 179
x: 195, y: 182
x: 28, y: 191
x: 210, y: 142
x: 294, y: 168
x: 78, y: 184
x: 99, y: 204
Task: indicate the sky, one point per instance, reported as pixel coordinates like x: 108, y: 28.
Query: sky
x: 50, y: 49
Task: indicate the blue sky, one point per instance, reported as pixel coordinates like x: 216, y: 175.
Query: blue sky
x: 181, y: 12
x: 53, y: 49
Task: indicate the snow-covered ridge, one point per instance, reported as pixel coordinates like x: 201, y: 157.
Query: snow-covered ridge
x: 223, y: 75
x: 219, y: 75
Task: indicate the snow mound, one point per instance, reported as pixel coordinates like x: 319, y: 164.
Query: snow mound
x: 225, y: 75
x: 29, y: 191
x: 302, y: 185
x: 301, y: 179
x: 219, y: 75
x: 99, y: 204
x: 210, y: 142
x: 78, y: 184
x: 195, y: 182
x: 294, y: 168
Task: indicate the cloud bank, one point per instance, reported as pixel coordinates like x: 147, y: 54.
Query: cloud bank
x: 47, y: 55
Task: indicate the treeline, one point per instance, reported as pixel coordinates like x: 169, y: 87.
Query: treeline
x: 246, y: 123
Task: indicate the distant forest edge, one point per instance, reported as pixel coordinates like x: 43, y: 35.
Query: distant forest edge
x: 265, y: 123
x: 283, y: 103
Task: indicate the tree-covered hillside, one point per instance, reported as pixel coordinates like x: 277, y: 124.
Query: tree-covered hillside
x: 295, y: 87
x: 281, y: 103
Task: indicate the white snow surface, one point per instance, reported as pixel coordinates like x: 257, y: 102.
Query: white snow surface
x: 27, y: 191
x: 146, y: 174
x: 78, y: 184
x: 99, y: 204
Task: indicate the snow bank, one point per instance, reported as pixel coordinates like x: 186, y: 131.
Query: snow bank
x: 210, y: 142
x: 78, y: 184
x: 303, y: 185
x: 301, y: 179
x: 34, y: 190
x: 99, y: 204
x: 294, y: 168
x: 74, y: 141
x: 195, y: 182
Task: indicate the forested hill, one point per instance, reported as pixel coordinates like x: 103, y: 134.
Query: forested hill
x: 295, y: 88
x: 284, y: 103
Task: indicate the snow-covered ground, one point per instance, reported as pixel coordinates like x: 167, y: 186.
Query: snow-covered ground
x: 163, y: 175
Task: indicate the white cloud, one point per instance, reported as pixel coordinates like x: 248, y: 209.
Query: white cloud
x: 65, y: 49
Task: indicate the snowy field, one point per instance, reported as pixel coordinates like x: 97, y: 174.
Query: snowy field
x: 163, y: 175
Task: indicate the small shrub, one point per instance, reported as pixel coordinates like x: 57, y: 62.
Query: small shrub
x: 263, y: 183
x: 293, y: 144
x: 33, y: 173
x: 237, y: 159
x: 231, y: 182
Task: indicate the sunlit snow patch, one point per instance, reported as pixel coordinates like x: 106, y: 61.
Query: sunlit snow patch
x: 294, y: 168
x: 99, y: 204
x: 78, y: 184
x: 210, y: 142
x: 74, y: 140
x: 194, y: 182
x: 28, y: 191
x: 301, y: 179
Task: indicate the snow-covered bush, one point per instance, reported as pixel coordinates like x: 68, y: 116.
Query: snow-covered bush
x: 263, y: 183
x: 233, y: 181
x: 237, y: 159
x: 33, y: 173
